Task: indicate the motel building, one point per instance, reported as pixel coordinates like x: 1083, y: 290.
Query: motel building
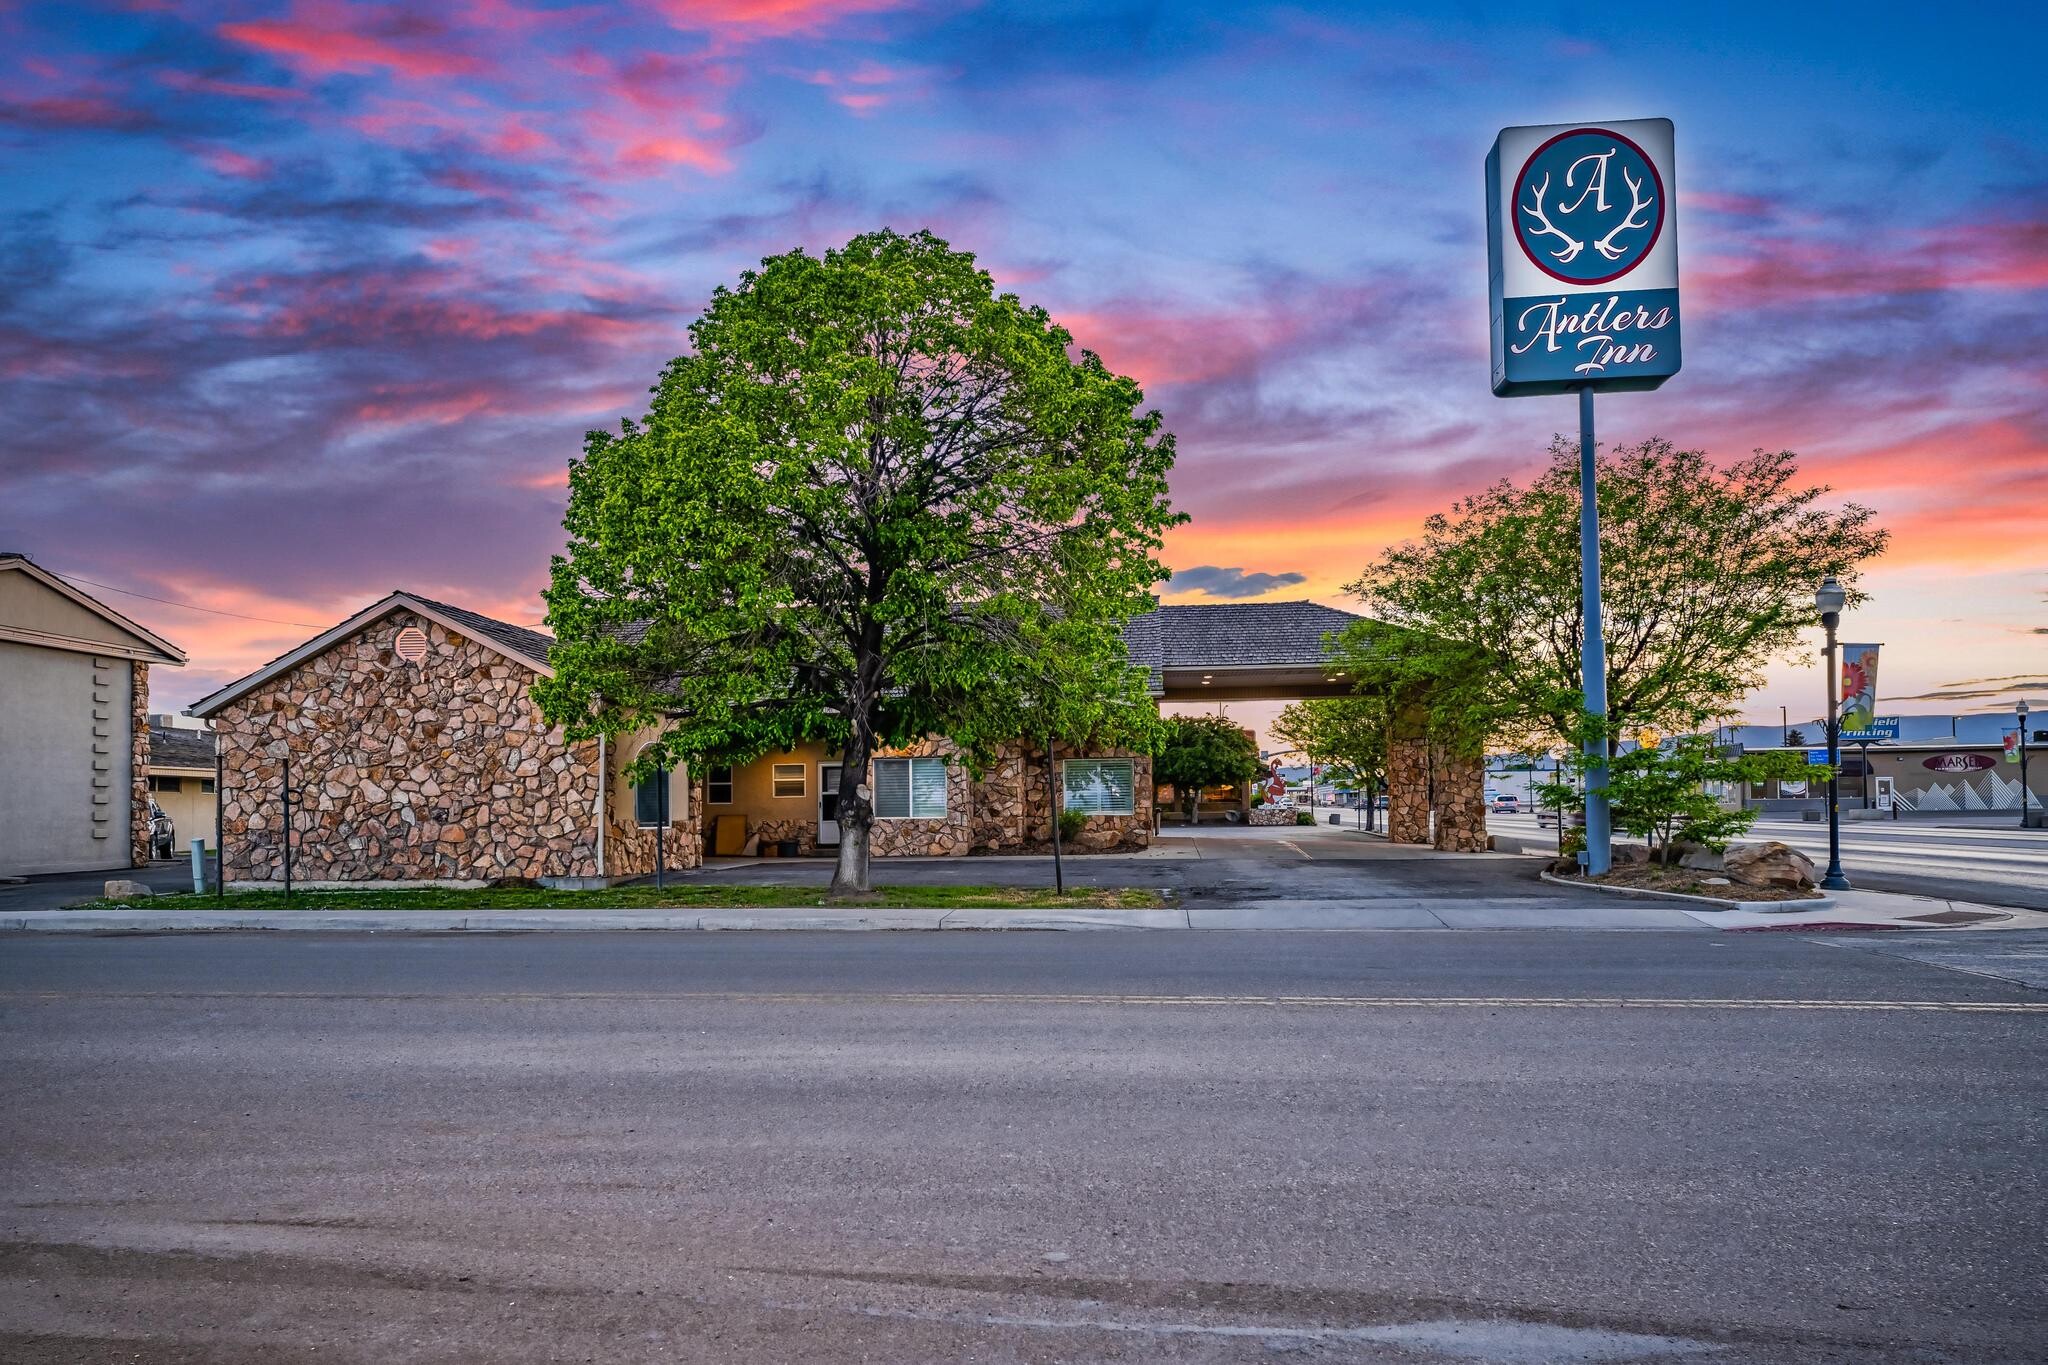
x: 401, y: 747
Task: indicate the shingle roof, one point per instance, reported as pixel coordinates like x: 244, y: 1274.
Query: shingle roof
x: 524, y: 640
x: 1233, y: 634
x: 174, y: 748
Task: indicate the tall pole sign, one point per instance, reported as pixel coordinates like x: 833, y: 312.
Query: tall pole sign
x: 1582, y: 284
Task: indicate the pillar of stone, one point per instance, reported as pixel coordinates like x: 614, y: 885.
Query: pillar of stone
x: 1408, y: 777
x: 1459, y: 801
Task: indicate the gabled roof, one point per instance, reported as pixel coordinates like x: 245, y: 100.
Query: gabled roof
x: 149, y: 646
x: 521, y: 644
x: 1234, y: 634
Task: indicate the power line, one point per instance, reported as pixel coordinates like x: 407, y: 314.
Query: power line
x: 188, y: 606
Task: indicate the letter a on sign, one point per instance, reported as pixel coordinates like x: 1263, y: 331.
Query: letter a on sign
x: 1582, y: 257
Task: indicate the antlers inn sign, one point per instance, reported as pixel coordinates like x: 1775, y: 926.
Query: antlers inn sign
x: 1582, y: 257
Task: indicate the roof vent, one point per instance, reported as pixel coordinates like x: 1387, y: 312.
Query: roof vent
x: 411, y: 644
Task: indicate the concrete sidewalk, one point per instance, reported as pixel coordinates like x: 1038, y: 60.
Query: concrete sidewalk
x: 1856, y: 910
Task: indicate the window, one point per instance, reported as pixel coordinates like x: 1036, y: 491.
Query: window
x: 1098, y: 786
x: 206, y: 784
x: 910, y: 788
x: 648, y: 796
x: 788, y: 779
x: 718, y: 786
x: 166, y: 784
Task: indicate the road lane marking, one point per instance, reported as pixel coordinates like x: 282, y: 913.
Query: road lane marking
x: 1073, y: 999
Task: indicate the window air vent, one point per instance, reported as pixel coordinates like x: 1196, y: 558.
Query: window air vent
x: 411, y: 644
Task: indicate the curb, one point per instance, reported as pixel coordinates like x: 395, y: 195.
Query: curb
x: 1711, y: 903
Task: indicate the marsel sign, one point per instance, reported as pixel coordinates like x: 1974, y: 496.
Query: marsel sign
x: 1582, y: 257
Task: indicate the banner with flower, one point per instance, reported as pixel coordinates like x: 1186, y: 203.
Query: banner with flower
x: 1859, y: 686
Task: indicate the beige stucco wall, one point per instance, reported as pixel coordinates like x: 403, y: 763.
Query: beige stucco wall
x: 68, y: 775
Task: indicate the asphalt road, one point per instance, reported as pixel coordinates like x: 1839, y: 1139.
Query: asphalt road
x: 1989, y: 860
x: 1018, y: 1147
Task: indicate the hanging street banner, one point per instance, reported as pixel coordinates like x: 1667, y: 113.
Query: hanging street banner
x: 1582, y: 257
x: 2012, y: 746
x: 1859, y: 687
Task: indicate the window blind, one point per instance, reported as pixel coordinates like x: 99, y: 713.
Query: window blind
x: 1098, y: 786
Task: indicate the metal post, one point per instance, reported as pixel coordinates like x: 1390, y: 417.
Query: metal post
x: 199, y: 867
x: 1059, y: 871
x: 220, y: 828
x: 661, y: 829
x: 2026, y: 792
x: 287, y: 826
x: 1593, y: 653
x: 1834, y: 880
x: 1863, y: 747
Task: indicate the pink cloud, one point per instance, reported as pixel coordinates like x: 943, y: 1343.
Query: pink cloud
x: 743, y: 19
x: 322, y: 38
x: 227, y: 161
x: 2008, y: 254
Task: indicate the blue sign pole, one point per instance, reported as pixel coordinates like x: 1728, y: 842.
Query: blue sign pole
x: 1593, y: 653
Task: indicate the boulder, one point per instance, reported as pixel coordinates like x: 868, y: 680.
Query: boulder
x: 1565, y: 867
x: 121, y: 889
x: 1770, y: 863
x: 1631, y: 854
x: 1700, y: 858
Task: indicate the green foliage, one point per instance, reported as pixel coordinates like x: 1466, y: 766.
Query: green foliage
x: 1303, y: 817
x: 1707, y: 573
x: 1349, y: 734
x: 1660, y: 793
x: 1203, y: 751
x: 876, y: 500
x: 1072, y: 822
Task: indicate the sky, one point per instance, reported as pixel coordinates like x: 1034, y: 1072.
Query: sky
x: 304, y: 301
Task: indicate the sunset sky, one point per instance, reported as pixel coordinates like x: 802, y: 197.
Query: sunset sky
x: 302, y: 302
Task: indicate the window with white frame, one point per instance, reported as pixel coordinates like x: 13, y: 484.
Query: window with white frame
x: 1099, y: 786
x: 718, y: 785
x: 788, y: 779
x: 910, y: 788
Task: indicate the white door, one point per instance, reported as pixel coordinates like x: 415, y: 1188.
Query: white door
x: 1884, y: 792
x: 828, y: 804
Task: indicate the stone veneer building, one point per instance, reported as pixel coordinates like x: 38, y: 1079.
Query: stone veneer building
x: 412, y: 753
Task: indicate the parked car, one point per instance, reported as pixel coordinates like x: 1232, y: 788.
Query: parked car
x: 163, y: 834
x: 1507, y: 803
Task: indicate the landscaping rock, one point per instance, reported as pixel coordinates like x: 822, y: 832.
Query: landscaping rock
x: 1564, y: 867
x: 1770, y: 863
x: 1701, y: 859
x: 1626, y: 854
x: 121, y: 888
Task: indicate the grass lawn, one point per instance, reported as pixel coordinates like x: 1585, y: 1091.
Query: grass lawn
x: 693, y: 896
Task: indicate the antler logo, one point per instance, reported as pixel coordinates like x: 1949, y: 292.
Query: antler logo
x: 1588, y: 206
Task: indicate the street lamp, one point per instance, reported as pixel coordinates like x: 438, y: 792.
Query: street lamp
x: 2020, y: 710
x: 1829, y: 599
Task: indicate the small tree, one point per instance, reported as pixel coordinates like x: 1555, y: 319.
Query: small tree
x: 1660, y: 794
x: 1348, y: 733
x: 860, y: 510
x: 1203, y: 751
x: 1707, y: 571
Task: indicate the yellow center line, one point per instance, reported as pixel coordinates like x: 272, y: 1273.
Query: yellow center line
x: 1085, y: 1000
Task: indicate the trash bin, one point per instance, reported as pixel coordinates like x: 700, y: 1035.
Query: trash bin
x: 786, y: 847
x: 1336, y: 817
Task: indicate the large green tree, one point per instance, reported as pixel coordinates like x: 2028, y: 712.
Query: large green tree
x: 1708, y: 571
x: 877, y: 500
x: 1203, y: 751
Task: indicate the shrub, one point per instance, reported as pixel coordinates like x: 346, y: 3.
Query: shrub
x: 1302, y: 817
x: 1072, y: 822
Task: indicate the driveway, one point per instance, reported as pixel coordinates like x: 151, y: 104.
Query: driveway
x: 54, y: 890
x: 1220, y: 865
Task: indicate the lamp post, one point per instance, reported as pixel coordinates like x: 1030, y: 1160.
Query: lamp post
x: 1830, y: 599
x: 2020, y: 710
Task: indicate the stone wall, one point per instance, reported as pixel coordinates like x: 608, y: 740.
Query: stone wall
x: 1270, y: 815
x: 1025, y: 803
x: 138, y: 765
x: 805, y: 832
x: 629, y: 848
x: 950, y: 837
x: 435, y: 771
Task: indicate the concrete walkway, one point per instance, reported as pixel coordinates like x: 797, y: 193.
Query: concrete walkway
x: 1854, y: 910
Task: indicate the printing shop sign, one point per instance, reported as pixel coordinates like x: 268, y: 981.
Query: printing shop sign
x: 1582, y: 256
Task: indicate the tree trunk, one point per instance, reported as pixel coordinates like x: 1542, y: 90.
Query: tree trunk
x: 856, y: 817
